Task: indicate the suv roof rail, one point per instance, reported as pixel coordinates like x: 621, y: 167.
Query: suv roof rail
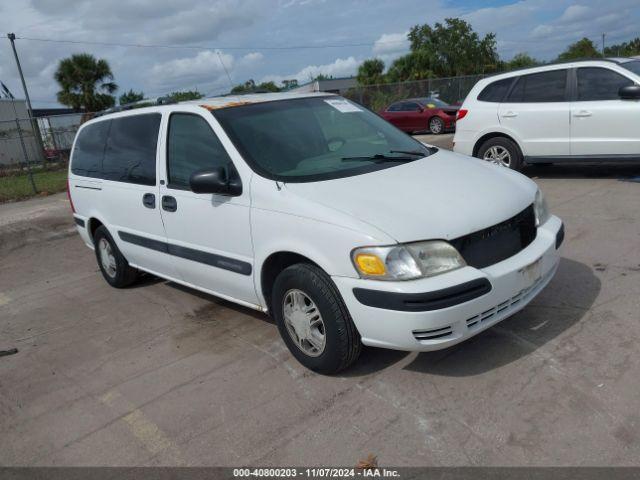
x: 166, y: 100
x: 616, y: 60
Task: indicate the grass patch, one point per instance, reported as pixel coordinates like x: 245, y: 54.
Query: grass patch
x: 18, y: 187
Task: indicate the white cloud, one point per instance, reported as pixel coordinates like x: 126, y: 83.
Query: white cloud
x: 575, y: 13
x: 341, y: 67
x: 389, y: 43
x: 204, y: 67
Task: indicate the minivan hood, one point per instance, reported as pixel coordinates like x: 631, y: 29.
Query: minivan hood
x: 443, y: 196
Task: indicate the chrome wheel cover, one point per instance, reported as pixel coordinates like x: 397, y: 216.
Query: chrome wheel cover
x: 498, y: 155
x: 304, y: 323
x: 107, y: 258
x: 435, y: 125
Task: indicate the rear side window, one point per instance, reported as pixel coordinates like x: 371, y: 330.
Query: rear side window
x: 600, y: 84
x: 130, y: 155
x: 540, y: 87
x: 495, y: 92
x: 192, y: 146
x: 89, y: 150
x: 410, y: 107
x: 396, y: 107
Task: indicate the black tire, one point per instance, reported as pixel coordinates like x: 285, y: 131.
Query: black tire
x: 436, y: 125
x: 342, y: 340
x: 515, y: 156
x: 124, y: 275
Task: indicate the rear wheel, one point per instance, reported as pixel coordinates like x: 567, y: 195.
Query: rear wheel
x: 114, y: 267
x: 436, y: 125
x: 313, y: 320
x: 501, y: 151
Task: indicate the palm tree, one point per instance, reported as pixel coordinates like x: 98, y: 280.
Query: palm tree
x: 86, y: 83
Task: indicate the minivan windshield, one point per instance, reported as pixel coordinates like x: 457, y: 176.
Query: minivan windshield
x: 316, y: 138
x: 632, y: 66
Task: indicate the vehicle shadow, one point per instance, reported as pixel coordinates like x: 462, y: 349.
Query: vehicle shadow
x: 563, y: 303
x: 584, y: 170
x: 216, y: 302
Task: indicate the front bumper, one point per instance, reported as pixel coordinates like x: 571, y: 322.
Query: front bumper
x: 514, y: 282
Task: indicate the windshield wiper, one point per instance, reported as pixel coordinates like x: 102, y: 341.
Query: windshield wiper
x: 410, y: 152
x: 378, y: 157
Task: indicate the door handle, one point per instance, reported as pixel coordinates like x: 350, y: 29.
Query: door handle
x: 582, y: 113
x: 149, y: 200
x: 169, y: 203
x: 509, y: 114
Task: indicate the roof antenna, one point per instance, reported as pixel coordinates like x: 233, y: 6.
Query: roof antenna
x: 278, y: 185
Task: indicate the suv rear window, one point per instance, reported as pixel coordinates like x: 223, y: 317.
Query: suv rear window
x: 121, y: 149
x: 495, y: 92
x: 89, y: 150
x: 130, y: 155
x: 540, y: 87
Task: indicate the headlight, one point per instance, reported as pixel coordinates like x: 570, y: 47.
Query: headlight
x: 407, y: 261
x: 540, y: 209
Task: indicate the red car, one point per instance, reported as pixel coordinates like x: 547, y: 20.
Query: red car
x: 421, y: 114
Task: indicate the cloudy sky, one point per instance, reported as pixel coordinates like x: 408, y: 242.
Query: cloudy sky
x: 259, y: 39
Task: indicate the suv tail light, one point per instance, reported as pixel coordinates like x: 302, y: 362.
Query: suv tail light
x: 461, y: 114
x: 73, y: 209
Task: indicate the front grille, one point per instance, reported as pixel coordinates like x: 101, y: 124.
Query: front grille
x: 498, y: 242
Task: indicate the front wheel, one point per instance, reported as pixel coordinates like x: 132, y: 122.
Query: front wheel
x: 436, y: 125
x: 501, y: 151
x: 313, y: 320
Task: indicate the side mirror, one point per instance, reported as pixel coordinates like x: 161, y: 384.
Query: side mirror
x: 630, y: 92
x: 218, y: 180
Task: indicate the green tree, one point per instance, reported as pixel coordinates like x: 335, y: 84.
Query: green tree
x: 250, y: 86
x: 371, y: 72
x: 583, y: 48
x: 624, y: 49
x: 454, y: 48
x: 130, y: 97
x: 521, y: 60
x: 416, y: 65
x: 289, y: 84
x: 269, y: 87
x: 185, y: 95
x: 85, y: 83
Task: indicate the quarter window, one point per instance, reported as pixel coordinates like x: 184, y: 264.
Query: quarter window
x: 495, y: 92
x: 130, y: 155
x: 410, y: 107
x: 192, y: 146
x: 600, y: 84
x: 89, y: 150
x: 540, y: 87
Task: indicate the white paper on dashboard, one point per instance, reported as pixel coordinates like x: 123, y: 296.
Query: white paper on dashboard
x: 343, y: 106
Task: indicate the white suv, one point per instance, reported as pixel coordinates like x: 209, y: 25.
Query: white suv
x: 580, y: 111
x: 309, y: 207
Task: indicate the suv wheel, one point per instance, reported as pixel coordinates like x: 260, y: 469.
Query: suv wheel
x: 313, y: 319
x: 114, y: 267
x: 501, y: 151
x: 436, y: 125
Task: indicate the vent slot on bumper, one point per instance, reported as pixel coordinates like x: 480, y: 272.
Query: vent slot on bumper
x: 432, y: 334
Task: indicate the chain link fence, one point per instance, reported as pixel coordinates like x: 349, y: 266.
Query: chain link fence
x: 34, y: 154
x: 452, y: 90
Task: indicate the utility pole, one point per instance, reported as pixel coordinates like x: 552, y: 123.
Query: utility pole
x: 603, y: 35
x: 34, y: 125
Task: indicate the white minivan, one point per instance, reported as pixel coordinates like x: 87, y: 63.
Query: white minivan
x: 584, y: 111
x: 313, y: 209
